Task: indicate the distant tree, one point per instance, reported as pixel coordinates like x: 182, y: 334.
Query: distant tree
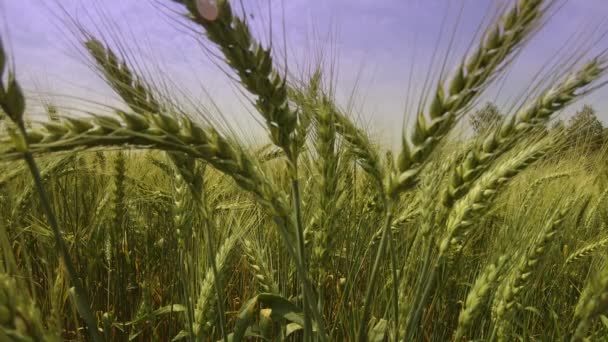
x: 51, y: 111
x: 585, y: 129
x: 485, y: 118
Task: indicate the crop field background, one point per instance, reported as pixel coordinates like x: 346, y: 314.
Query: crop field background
x: 151, y: 221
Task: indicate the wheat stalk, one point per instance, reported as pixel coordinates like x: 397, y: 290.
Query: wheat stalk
x: 255, y: 69
x: 501, y: 40
x: 464, y: 216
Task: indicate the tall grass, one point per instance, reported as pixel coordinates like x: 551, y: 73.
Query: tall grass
x: 163, y: 227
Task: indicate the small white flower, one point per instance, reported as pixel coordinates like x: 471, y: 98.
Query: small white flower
x: 207, y: 9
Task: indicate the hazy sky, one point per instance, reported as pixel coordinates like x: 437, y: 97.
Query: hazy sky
x: 374, y: 42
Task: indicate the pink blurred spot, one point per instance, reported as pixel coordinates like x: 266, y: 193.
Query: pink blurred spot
x: 207, y: 9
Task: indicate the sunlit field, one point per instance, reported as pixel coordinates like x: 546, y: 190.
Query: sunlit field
x: 148, y: 220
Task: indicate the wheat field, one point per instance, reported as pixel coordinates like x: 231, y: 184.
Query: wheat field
x: 148, y: 223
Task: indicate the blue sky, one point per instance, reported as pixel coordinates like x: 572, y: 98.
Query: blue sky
x: 374, y: 42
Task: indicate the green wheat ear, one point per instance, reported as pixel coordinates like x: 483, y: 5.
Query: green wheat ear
x: 509, y: 297
x: 131, y: 88
x: 12, y: 100
x: 586, y: 251
x: 478, y: 296
x: 501, y: 40
x: 414, y: 285
x: 534, y: 115
x: 254, y: 66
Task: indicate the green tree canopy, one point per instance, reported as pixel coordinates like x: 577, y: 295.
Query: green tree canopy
x: 485, y: 118
x: 585, y: 129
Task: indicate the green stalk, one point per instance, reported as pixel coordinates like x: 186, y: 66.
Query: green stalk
x: 493, y: 335
x: 108, y: 284
x: 419, y: 296
x: 198, y: 195
x: 216, y: 280
x: 302, y: 252
x: 81, y: 297
x: 186, y: 298
x: 302, y: 274
x: 12, y: 103
x: 367, y: 308
x: 395, y: 287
